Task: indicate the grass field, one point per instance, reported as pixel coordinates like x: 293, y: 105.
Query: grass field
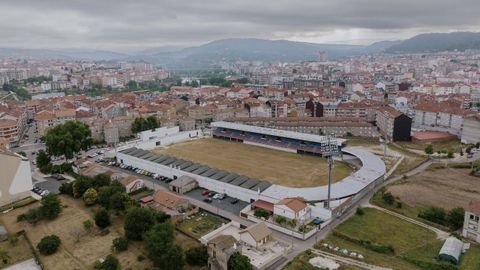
x: 17, y: 252
x: 406, y: 238
x: 200, y: 224
x: 300, y: 262
x: 79, y: 250
x: 278, y: 167
x: 446, y: 188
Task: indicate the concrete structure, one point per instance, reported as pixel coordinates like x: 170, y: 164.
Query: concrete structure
x: 15, y: 177
x: 471, y: 223
x: 9, y: 130
x: 183, y: 184
x: 471, y: 129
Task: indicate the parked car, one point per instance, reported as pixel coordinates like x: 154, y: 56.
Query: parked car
x: 205, y: 192
x: 234, y: 201
x: 207, y: 200
x: 211, y: 194
x: 58, y: 177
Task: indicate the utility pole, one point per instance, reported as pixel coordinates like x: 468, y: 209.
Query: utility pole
x: 330, y: 153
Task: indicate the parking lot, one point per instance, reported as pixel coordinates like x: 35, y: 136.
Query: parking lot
x: 224, y: 204
x: 195, y: 194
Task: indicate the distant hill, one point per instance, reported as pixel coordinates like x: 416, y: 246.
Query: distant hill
x: 436, y: 42
x: 248, y: 49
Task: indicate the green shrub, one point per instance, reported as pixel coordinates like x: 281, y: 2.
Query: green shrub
x: 197, y: 256
x: 102, y: 218
x: 360, y: 211
x: 433, y: 214
x: 386, y: 249
x: 260, y: 212
x: 388, y: 198
x: 280, y: 220
x: 49, y: 244
x: 120, y: 244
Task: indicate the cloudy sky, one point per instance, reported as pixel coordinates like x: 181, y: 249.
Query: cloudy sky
x: 137, y: 24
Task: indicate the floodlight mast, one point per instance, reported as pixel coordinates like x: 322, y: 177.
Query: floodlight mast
x: 330, y: 153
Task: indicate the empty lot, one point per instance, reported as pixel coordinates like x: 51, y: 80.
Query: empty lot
x: 278, y: 167
x: 447, y: 188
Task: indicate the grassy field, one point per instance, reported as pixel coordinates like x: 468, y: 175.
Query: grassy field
x: 441, y: 187
x: 200, y: 224
x: 409, y: 241
x: 257, y: 162
x: 79, y: 249
x: 454, y: 146
x: 300, y: 262
x: 17, y: 252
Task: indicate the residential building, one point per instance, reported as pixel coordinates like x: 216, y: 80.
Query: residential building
x: 471, y: 223
x: 292, y: 208
x: 256, y: 235
x: 393, y: 124
x: 471, y: 129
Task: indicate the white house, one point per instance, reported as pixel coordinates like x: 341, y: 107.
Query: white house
x: 292, y: 208
x: 471, y: 223
x: 132, y: 183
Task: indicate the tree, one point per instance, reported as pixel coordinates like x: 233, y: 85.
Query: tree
x: 110, y: 263
x: 238, y: 261
x: 132, y: 85
x: 49, y: 244
x: 112, y: 196
x: 455, y: 218
x: 118, y: 201
x: 50, y: 206
x: 90, y: 196
x: 450, y: 154
x: 137, y: 222
x: 388, y: 198
x: 197, y: 256
x: 119, y: 244
x: 434, y: 214
x: 68, y: 139
x: 88, y: 225
x: 280, y: 220
x: 42, y: 158
x: 160, y: 248
x: 429, y: 149
x: 260, y: 212
x: 101, y: 180
x: 141, y: 124
x: 102, y: 218
x: 81, y: 184
x: 66, y: 188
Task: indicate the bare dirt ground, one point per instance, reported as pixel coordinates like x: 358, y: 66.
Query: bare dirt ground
x: 79, y: 249
x: 447, y: 188
x: 278, y: 167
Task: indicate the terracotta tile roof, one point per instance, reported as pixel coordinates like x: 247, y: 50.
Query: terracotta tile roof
x: 44, y: 115
x: 474, y: 207
x: 391, y: 111
x: 258, y: 231
x: 296, y: 204
x: 4, y: 123
x: 167, y: 199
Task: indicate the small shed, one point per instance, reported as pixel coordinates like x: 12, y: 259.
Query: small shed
x: 451, y: 250
x: 183, y: 184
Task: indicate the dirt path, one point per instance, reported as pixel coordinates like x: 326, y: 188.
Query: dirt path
x: 348, y: 261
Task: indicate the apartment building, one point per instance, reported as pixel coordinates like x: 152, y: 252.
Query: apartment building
x: 9, y: 130
x: 48, y: 119
x: 471, y: 129
x: 471, y: 223
x: 393, y: 124
x: 440, y: 116
x: 365, y: 109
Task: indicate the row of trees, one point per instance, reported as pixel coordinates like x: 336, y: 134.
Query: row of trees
x: 452, y: 219
x: 141, y: 124
x: 50, y: 208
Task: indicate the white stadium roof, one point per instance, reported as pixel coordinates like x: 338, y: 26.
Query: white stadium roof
x: 278, y: 132
x: 372, y: 168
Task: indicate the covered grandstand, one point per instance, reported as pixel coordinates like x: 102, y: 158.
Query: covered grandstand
x: 278, y: 139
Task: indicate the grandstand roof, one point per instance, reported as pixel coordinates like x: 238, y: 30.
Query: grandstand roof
x: 278, y: 132
x: 372, y: 169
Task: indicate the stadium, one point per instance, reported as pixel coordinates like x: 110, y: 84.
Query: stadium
x: 368, y: 173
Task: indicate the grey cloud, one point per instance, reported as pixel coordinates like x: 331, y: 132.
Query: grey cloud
x: 123, y: 25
